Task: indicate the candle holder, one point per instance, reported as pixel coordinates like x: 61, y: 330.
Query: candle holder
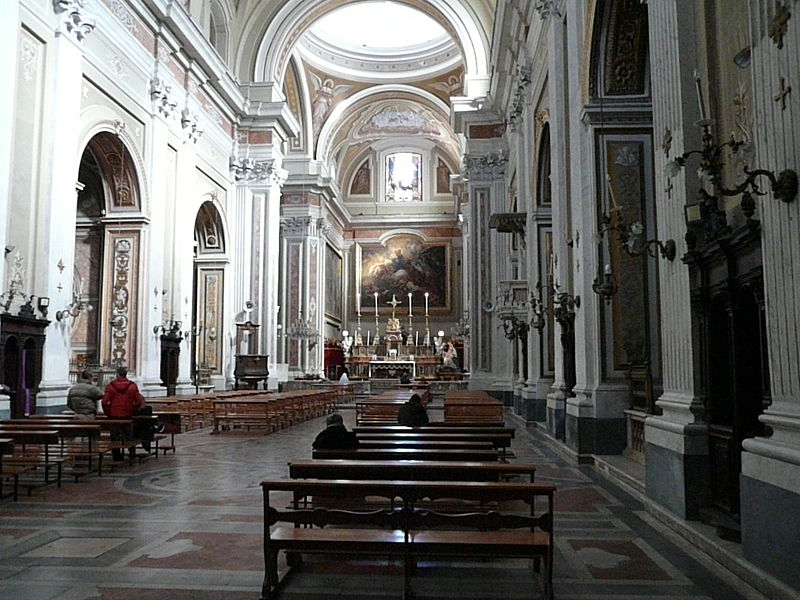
x: 783, y: 186
x: 605, y: 287
x: 631, y: 236
x: 538, y: 308
x: 358, y: 340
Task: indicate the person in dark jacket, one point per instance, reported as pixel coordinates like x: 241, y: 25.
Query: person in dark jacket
x: 83, y: 396
x: 413, y: 413
x: 121, y: 401
x: 335, y: 435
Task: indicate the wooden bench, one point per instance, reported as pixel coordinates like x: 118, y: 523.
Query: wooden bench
x: 437, y: 427
x: 170, y: 420
x: 499, y: 441
x: 409, y: 470
x: 78, y: 439
x: 456, y: 411
x: 272, y: 411
x: 35, y: 448
x: 372, y: 411
x: 11, y: 472
x: 423, y: 444
x: 409, y: 527
x: 409, y: 454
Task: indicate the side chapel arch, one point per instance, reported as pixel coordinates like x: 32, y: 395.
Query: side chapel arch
x: 105, y: 279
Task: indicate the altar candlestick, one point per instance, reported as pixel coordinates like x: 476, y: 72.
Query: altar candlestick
x: 376, y: 303
x: 409, y: 304
x: 416, y: 338
x: 426, y: 304
x: 358, y: 303
x: 367, y: 337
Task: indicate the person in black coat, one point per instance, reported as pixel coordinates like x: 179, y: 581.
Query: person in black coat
x: 335, y: 435
x: 413, y: 413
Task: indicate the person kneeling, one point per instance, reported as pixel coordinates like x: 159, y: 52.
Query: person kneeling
x: 335, y: 435
x: 413, y: 413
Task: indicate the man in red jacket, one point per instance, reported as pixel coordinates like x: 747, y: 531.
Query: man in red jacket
x: 121, y: 400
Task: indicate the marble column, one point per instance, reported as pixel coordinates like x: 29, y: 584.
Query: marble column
x: 59, y: 193
x: 9, y: 47
x: 491, y: 367
x: 770, y: 480
x: 676, y: 442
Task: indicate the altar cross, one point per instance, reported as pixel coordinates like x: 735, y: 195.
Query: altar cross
x: 394, y: 303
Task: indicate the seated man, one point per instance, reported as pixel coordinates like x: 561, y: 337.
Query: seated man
x: 335, y: 435
x: 83, y: 396
x: 413, y: 413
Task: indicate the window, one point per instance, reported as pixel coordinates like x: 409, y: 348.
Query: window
x: 403, y: 177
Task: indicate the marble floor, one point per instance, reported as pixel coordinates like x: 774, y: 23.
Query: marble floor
x: 188, y: 526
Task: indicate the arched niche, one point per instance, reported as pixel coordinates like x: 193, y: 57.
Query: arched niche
x: 209, y: 287
x: 105, y: 284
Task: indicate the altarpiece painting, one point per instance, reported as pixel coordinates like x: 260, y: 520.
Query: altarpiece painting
x: 333, y: 284
x: 404, y: 264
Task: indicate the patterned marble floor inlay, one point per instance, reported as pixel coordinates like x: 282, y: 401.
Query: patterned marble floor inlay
x: 188, y: 526
x: 75, y: 547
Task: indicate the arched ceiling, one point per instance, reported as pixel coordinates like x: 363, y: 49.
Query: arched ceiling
x: 360, y: 72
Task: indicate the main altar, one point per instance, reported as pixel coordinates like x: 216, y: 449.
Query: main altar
x: 395, y: 353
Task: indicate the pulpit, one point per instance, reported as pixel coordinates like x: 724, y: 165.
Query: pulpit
x: 251, y: 367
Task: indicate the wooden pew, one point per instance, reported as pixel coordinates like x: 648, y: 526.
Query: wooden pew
x: 121, y: 429
x: 408, y: 454
x: 406, y: 529
x: 11, y: 472
x: 423, y: 444
x: 409, y: 470
x: 377, y: 411
x: 498, y: 440
x: 437, y: 427
x: 79, y: 453
x: 171, y: 422
x: 35, y: 448
x: 272, y: 411
x: 478, y: 410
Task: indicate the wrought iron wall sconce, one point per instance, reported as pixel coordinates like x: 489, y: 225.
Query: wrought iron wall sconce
x: 606, y: 287
x: 631, y: 236
x: 564, y: 305
x: 707, y: 211
x: 514, y: 328
x: 169, y: 328
x: 73, y: 310
x: 538, y: 308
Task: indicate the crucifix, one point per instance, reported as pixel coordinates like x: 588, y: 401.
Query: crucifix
x: 781, y: 95
x: 668, y: 189
x: 394, y: 304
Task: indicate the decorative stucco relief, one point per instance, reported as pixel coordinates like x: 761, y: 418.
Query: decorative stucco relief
x: 74, y: 19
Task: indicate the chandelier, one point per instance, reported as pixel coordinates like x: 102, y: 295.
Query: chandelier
x: 302, y: 329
